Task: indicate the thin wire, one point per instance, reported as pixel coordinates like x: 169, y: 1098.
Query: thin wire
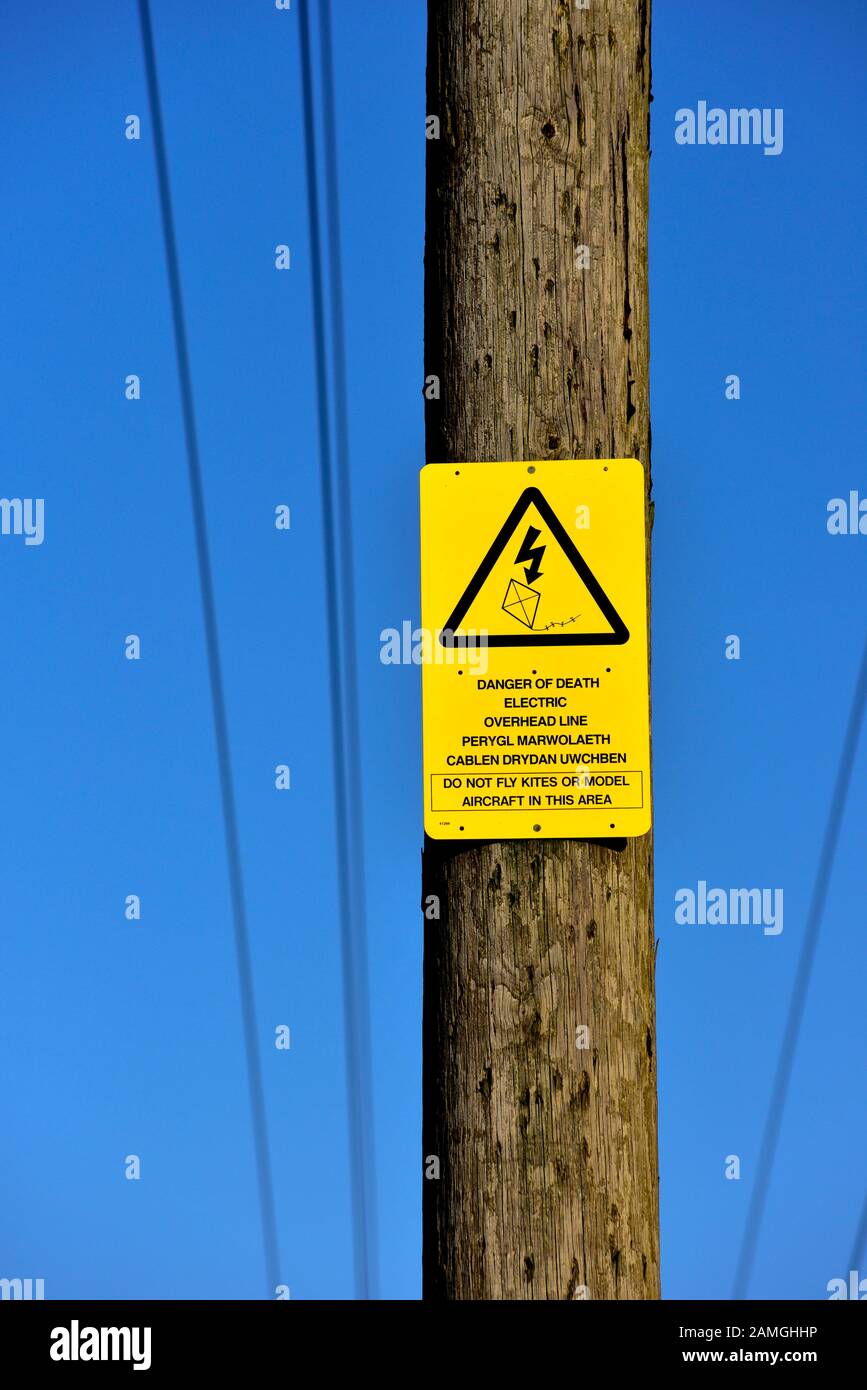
x: 354, y: 799
x: 337, y: 544
x: 221, y: 733
x: 786, y: 1059
x: 860, y: 1240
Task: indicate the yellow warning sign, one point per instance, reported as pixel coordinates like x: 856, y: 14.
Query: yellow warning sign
x: 534, y: 671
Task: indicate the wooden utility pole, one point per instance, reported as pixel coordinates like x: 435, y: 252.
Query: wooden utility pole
x: 537, y: 328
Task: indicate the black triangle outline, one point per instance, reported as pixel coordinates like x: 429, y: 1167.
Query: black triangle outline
x: 531, y: 496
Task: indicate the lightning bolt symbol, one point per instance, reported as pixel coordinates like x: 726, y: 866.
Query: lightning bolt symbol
x: 532, y: 552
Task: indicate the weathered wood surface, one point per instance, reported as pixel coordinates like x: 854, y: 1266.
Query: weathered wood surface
x: 548, y: 1153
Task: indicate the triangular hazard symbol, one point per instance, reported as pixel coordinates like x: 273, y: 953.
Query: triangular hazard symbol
x: 522, y: 602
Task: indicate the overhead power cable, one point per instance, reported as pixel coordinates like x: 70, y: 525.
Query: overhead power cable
x: 218, y: 700
x: 803, y: 972
x: 340, y: 605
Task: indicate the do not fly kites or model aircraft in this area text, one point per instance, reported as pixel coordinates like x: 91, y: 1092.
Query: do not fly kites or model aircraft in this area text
x: 536, y: 709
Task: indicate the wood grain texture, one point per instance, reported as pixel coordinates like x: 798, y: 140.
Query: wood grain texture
x: 548, y: 1154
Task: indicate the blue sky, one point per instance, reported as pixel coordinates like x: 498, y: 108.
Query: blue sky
x: 125, y: 1038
